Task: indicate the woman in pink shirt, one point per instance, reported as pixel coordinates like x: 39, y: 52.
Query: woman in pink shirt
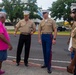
x: 4, y: 41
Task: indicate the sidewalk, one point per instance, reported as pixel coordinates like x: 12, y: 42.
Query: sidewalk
x: 12, y: 69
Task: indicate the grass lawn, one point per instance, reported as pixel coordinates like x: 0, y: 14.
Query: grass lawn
x: 64, y: 33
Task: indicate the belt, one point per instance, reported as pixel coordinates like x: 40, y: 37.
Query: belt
x: 25, y: 33
x: 46, y: 32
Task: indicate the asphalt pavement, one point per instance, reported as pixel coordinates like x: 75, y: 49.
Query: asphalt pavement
x: 60, y: 59
x: 60, y: 56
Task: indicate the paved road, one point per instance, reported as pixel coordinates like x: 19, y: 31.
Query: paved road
x: 61, y: 56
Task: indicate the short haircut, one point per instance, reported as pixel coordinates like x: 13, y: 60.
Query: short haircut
x: 2, y: 14
x: 45, y: 13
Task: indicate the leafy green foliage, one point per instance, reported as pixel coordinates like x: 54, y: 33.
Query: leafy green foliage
x: 61, y: 9
x: 33, y: 8
x: 15, y: 8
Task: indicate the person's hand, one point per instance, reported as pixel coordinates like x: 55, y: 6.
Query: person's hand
x: 32, y: 33
x: 15, y: 34
x: 39, y: 41
x: 10, y: 47
x: 54, y: 41
x: 71, y: 49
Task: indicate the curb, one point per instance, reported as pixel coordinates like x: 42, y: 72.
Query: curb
x: 35, y: 64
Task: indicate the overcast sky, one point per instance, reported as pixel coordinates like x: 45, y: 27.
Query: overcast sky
x: 43, y: 3
x: 0, y: 0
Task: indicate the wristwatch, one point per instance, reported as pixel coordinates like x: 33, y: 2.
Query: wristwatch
x: 54, y: 38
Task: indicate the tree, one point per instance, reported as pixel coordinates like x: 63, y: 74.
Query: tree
x: 33, y: 8
x: 61, y: 9
x: 14, y: 9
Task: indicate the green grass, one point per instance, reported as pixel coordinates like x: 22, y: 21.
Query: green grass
x: 64, y: 33
x: 10, y: 30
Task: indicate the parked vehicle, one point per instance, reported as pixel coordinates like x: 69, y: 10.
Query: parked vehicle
x: 8, y: 24
x: 61, y: 28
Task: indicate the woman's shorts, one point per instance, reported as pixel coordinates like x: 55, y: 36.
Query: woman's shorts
x: 3, y: 55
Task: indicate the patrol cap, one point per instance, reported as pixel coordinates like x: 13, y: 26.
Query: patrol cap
x: 2, y: 14
x: 45, y: 11
x: 26, y: 12
x: 73, y: 6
